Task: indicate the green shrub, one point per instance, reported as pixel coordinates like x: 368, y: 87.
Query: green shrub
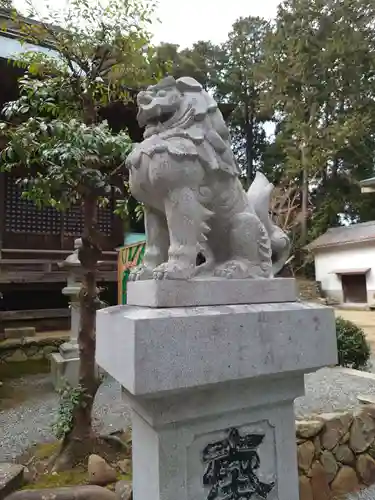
x: 353, y: 348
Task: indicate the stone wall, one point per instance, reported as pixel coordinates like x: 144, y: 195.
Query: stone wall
x: 336, y: 453
x: 30, y: 348
x: 308, y: 289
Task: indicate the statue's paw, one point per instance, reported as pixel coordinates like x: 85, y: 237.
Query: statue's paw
x: 174, y: 270
x: 238, y: 269
x: 141, y: 272
x: 158, y: 272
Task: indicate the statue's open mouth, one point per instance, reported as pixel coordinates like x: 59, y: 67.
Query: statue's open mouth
x: 162, y: 118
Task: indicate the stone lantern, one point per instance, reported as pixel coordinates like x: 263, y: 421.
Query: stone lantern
x: 65, y: 363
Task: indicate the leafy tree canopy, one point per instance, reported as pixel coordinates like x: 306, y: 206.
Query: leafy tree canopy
x: 66, y: 153
x: 303, y: 92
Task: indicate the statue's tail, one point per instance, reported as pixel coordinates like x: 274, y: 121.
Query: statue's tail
x: 259, y: 195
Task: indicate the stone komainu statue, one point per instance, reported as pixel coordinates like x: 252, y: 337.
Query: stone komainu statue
x: 185, y: 174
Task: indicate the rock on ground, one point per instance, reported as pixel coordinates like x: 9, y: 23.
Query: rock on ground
x: 73, y: 493
x: 124, y: 490
x: 11, y: 478
x: 367, y: 494
x: 100, y: 472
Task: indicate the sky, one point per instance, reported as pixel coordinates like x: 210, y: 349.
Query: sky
x: 187, y: 21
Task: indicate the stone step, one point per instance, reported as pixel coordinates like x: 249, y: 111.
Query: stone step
x: 20, y: 332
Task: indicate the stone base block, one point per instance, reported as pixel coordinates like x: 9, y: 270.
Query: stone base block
x: 197, y: 444
x: 152, y: 350
x: 212, y: 387
x: 64, y: 370
x: 210, y: 292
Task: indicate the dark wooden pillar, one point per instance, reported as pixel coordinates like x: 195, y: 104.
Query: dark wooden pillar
x: 2, y: 209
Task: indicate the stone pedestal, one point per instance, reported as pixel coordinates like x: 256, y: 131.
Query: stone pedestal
x: 211, y: 387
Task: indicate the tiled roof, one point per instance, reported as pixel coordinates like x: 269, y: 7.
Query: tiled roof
x: 344, y: 235
x: 368, y: 182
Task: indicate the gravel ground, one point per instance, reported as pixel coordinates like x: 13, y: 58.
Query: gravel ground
x: 332, y: 389
x: 30, y: 422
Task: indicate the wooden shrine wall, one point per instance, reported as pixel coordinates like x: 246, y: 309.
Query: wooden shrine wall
x: 24, y: 226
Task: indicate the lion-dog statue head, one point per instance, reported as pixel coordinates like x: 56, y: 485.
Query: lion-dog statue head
x: 172, y: 106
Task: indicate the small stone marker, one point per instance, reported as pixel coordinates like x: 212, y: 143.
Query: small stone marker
x: 11, y: 478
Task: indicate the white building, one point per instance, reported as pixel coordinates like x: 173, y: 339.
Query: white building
x: 345, y: 263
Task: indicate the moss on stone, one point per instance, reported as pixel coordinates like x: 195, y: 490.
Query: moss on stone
x: 41, y: 458
x: 125, y: 477
x: 29, y: 367
x: 74, y: 477
x: 59, y: 479
x: 45, y: 451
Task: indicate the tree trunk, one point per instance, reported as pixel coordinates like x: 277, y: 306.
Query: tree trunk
x: 249, y: 127
x: 89, y: 257
x: 78, y: 443
x: 305, y: 196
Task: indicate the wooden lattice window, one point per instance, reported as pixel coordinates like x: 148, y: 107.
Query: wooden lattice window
x: 105, y: 220
x: 73, y: 221
x: 23, y: 216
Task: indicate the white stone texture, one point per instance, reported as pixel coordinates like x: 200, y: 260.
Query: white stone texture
x: 64, y: 370
x: 153, y: 350
x: 190, y: 374
x: 210, y: 292
x: 209, y: 359
x: 171, y: 453
x: 186, y: 175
